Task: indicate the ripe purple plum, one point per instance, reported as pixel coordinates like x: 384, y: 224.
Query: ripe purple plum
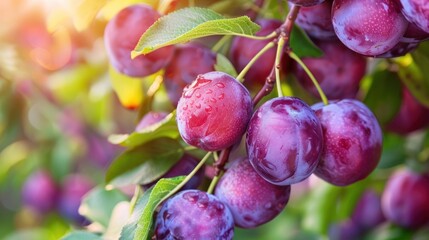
x: 367, y: 213
x: 346, y: 230
x: 188, y: 61
x: 368, y: 27
x: 405, y: 199
x: 316, y: 21
x: 122, y: 34
x: 183, y: 167
x: 252, y: 200
x: 412, y: 116
x: 40, y: 192
x: 337, y: 81
x: 352, y: 141
x: 284, y: 141
x: 414, y: 34
x: 306, y: 3
x: 213, y: 111
x: 73, y: 189
x: 193, y: 214
x: 244, y: 49
x: 149, y: 119
x: 417, y: 12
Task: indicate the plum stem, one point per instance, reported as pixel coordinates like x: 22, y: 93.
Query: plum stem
x: 214, y: 182
x: 240, y: 76
x: 280, y: 46
x: 313, y: 79
x: 216, y: 48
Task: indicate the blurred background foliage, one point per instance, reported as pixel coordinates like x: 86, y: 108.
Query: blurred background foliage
x: 59, y: 102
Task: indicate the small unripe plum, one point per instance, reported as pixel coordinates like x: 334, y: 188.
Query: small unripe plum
x: 244, y: 49
x: 284, y: 141
x: 188, y: 61
x: 193, y: 214
x: 252, y: 200
x: 122, y: 34
x: 337, y: 81
x: 417, y: 12
x: 316, y: 21
x: 412, y: 116
x: 73, y: 189
x: 149, y: 119
x: 306, y: 3
x: 367, y: 213
x: 405, y: 199
x: 352, y: 142
x: 40, y: 192
x: 213, y: 111
x: 368, y: 27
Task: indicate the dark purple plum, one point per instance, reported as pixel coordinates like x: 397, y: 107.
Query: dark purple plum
x: 367, y: 213
x: 149, y: 119
x: 193, y: 214
x: 417, y: 12
x: 368, y: 27
x: 213, y: 111
x: 183, y: 167
x: 122, y: 34
x: 306, y: 3
x: 414, y: 34
x: 405, y: 199
x: 284, y: 141
x: 252, y: 200
x: 337, y: 81
x: 346, y: 230
x: 40, y: 192
x: 244, y: 49
x: 74, y: 188
x: 412, y: 116
x: 400, y: 49
x: 352, y: 142
x: 316, y: 21
x: 188, y: 61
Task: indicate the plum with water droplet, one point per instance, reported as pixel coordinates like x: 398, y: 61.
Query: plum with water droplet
x: 252, y: 200
x: 352, y: 141
x: 213, y: 112
x: 284, y: 141
x: 193, y: 214
x: 122, y: 34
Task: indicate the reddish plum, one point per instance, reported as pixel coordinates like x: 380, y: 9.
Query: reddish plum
x: 122, y: 34
x: 40, y: 192
x: 284, y: 140
x: 252, y: 200
x: 193, y: 214
x: 337, y: 81
x: 352, y: 142
x: 417, y: 12
x: 316, y: 20
x: 405, y: 199
x: 369, y: 27
x: 213, y: 111
x: 244, y: 49
x: 188, y: 61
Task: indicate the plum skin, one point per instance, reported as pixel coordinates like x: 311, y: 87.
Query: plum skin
x: 337, y: 81
x: 352, y: 141
x: 284, y: 141
x: 405, y: 199
x: 368, y: 213
x: 122, y: 34
x: 417, y: 12
x: 40, y: 192
x: 368, y: 27
x: 188, y: 61
x: 193, y: 214
x: 198, y: 118
x: 252, y: 200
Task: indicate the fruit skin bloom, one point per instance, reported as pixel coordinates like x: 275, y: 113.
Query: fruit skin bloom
x: 213, y: 112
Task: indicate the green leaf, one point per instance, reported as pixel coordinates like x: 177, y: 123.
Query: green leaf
x: 145, y: 163
x: 140, y: 224
x: 98, y: 204
x: 189, y: 23
x: 302, y: 45
x: 165, y: 128
x: 224, y: 65
x: 81, y: 235
x: 386, y: 105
